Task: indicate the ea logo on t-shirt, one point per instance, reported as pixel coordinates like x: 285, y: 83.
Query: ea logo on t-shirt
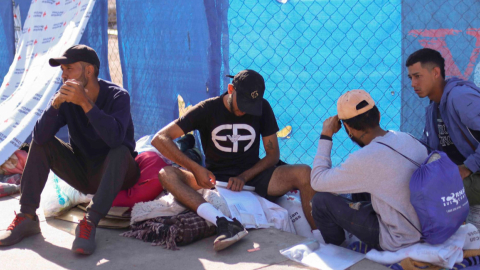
x: 234, y: 138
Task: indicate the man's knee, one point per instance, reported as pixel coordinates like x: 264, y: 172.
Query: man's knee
x: 320, y: 202
x: 167, y: 174
x: 34, y: 146
x: 118, y: 151
x: 302, y: 175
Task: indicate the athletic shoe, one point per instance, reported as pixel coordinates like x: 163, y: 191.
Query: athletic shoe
x: 84, y: 242
x: 228, y: 232
x: 21, y: 227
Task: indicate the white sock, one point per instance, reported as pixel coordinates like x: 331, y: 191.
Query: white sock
x: 210, y: 213
x: 318, y: 236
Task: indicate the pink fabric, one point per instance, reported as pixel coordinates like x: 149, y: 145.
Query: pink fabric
x: 148, y: 186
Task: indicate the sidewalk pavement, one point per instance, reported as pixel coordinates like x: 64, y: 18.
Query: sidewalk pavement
x: 51, y: 250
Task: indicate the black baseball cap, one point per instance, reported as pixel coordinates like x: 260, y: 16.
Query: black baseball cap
x: 74, y: 54
x: 250, y: 87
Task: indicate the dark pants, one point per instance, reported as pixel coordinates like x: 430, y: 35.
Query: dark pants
x: 103, y: 176
x: 333, y: 214
x: 472, y: 188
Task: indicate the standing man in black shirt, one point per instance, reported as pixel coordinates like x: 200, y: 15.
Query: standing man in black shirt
x: 230, y: 127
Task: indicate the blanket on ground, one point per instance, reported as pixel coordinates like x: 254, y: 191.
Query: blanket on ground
x: 171, y: 232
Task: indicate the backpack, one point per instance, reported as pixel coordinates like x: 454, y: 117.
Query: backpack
x: 438, y: 197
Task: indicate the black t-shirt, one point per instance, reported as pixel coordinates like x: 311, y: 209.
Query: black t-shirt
x: 446, y: 142
x: 231, y: 143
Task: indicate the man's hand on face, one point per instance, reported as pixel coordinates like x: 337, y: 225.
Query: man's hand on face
x: 73, y: 91
x: 236, y: 183
x: 464, y: 171
x: 205, y: 178
x: 331, y: 126
x: 58, y: 100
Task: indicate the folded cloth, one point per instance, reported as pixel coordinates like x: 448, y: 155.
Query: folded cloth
x: 178, y: 230
x: 444, y: 255
x: 471, y: 258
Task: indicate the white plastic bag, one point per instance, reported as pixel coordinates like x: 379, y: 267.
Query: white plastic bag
x: 322, y: 256
x: 276, y: 215
x: 58, y: 196
x: 292, y: 202
x: 474, y: 216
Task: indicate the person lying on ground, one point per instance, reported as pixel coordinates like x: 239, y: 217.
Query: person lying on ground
x: 374, y: 169
x: 99, y: 158
x: 230, y: 126
x: 452, y: 118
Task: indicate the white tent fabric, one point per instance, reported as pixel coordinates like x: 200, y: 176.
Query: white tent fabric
x: 51, y: 27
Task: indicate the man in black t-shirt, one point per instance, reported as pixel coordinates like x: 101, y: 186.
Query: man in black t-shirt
x: 230, y: 127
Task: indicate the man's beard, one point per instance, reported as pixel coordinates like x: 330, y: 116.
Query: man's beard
x: 83, y: 79
x: 355, y: 140
x: 230, y: 103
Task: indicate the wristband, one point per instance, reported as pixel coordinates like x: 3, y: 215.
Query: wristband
x: 325, y: 137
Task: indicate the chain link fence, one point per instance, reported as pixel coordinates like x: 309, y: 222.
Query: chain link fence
x: 113, y: 53
x: 312, y: 51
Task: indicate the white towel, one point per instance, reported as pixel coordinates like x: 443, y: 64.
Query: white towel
x: 444, y: 255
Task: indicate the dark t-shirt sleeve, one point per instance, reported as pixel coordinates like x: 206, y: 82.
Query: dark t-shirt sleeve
x: 195, y: 118
x: 269, y: 124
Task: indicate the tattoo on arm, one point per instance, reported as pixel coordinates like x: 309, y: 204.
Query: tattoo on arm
x: 270, y: 145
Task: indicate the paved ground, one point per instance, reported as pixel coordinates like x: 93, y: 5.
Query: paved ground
x: 51, y: 250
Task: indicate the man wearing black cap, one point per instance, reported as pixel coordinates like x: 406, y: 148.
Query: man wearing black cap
x: 100, y: 157
x: 230, y: 127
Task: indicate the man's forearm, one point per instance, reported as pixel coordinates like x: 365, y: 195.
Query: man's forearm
x: 263, y: 164
x: 169, y: 149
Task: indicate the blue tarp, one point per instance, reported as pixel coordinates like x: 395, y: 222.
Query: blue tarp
x: 311, y: 52
x: 169, y: 49
x: 7, y: 37
x: 96, y: 36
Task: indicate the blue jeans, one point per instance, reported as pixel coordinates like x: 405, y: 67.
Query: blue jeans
x: 333, y: 214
